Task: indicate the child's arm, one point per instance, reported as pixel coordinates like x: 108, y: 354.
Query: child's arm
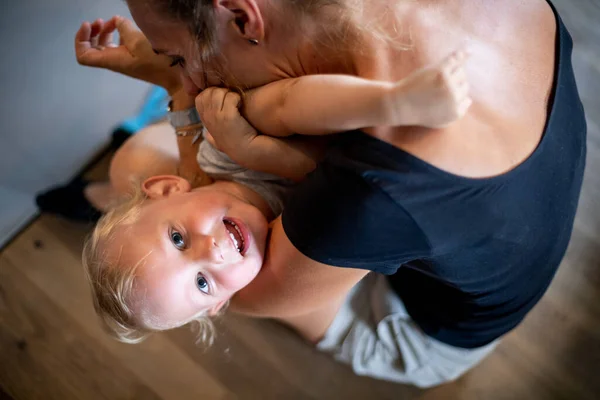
x: 291, y: 157
x: 324, y: 104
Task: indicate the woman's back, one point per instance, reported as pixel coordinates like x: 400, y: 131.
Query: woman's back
x: 469, y: 257
x: 511, y: 72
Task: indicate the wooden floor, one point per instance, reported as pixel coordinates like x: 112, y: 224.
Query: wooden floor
x: 51, y: 346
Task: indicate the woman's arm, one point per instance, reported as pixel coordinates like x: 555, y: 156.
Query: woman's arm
x: 291, y: 285
x: 133, y: 56
x: 324, y: 104
x: 188, y: 167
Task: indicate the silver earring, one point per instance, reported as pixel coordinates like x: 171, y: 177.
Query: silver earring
x: 253, y: 42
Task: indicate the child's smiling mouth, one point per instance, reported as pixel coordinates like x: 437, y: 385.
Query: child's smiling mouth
x: 236, y: 234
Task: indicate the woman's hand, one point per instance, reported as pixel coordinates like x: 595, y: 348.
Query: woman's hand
x: 219, y: 111
x: 290, y: 157
x: 133, y: 56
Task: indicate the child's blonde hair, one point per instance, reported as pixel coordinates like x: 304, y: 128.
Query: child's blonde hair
x: 113, y: 284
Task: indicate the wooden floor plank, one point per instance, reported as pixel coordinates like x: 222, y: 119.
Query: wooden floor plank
x: 46, y: 355
x: 57, y: 272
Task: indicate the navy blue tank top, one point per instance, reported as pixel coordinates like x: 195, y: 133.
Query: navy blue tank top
x: 468, y: 257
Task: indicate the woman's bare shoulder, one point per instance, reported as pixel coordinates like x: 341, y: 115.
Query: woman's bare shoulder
x: 510, y: 71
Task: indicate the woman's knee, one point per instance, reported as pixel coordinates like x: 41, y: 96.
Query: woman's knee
x: 151, y: 151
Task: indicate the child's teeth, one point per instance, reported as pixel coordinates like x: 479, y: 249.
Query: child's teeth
x: 234, y: 240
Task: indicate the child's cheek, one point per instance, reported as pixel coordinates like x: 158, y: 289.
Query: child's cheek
x: 237, y: 277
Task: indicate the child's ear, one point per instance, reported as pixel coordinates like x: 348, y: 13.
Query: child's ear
x: 217, y: 307
x: 164, y: 186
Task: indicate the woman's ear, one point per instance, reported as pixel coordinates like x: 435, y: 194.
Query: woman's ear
x: 245, y: 16
x: 160, y: 186
x: 217, y: 307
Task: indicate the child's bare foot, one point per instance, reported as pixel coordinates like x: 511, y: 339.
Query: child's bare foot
x: 436, y: 96
x: 100, y: 195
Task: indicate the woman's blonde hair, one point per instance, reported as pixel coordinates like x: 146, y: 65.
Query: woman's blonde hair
x: 199, y: 17
x: 112, y: 285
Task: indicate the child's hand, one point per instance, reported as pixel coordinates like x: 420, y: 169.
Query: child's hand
x: 434, y: 96
x: 219, y: 112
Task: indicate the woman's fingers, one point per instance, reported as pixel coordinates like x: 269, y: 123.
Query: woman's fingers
x: 232, y: 101
x: 97, y: 26
x: 210, y: 139
x: 106, y: 35
x: 127, y: 30
x: 85, y: 51
x: 82, y: 39
x: 203, y: 103
x: 87, y: 42
x: 212, y: 99
x: 217, y: 99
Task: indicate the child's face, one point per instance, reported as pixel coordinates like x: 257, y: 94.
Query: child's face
x: 197, y: 249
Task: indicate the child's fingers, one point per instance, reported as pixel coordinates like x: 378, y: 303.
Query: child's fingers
x: 459, y: 86
x: 454, y: 61
x: 464, y: 106
x: 463, y: 91
x: 459, y: 74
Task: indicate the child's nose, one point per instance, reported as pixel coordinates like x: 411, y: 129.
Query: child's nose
x: 207, y: 249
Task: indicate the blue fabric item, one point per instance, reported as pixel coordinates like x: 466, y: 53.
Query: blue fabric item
x: 468, y: 257
x: 153, y: 110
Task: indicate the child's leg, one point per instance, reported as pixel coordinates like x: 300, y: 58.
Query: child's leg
x: 85, y: 201
x: 152, y: 151
x: 152, y: 110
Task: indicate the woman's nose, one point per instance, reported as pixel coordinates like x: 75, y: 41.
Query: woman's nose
x: 205, y: 248
x: 188, y: 85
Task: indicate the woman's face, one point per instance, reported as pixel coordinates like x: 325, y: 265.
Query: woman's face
x: 237, y: 64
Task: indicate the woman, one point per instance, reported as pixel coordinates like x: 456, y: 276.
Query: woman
x: 469, y: 222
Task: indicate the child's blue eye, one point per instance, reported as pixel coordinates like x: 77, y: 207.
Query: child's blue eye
x: 177, y: 239
x: 202, y: 283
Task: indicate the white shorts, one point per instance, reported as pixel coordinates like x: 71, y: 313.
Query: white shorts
x: 374, y: 334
